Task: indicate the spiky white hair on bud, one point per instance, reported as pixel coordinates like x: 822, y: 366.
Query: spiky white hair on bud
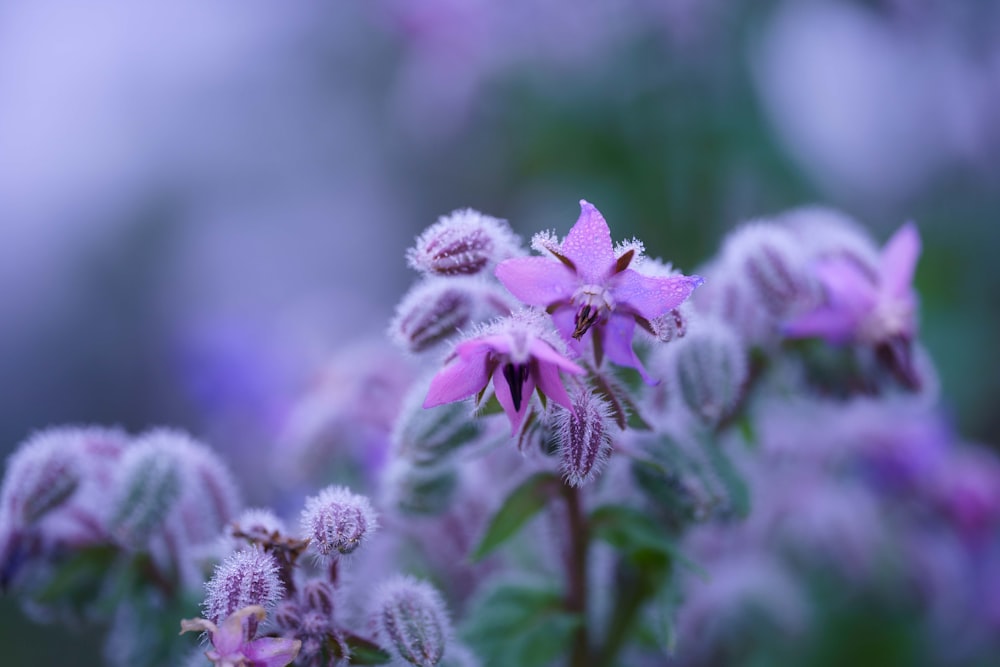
x: 411, y: 621
x: 584, y: 437
x: 337, y: 521
x: 465, y: 242
x: 246, y: 577
x: 41, y: 475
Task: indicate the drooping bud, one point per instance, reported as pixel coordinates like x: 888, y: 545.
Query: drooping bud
x: 584, y: 438
x: 41, y: 475
x: 436, y: 308
x: 337, y: 521
x: 411, y: 621
x: 465, y: 242
x: 773, y: 265
x: 709, y: 370
x: 148, y: 488
x: 247, y: 577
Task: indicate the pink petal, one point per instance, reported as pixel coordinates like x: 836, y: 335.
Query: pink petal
x: 272, y: 651
x: 459, y: 379
x: 652, y: 296
x: 564, y: 320
x: 588, y: 245
x: 848, y: 289
x: 545, y: 354
x: 551, y: 384
x: 229, y: 638
x: 502, y: 390
x: 618, y: 332
x: 476, y: 347
x: 537, y: 281
x: 899, y: 260
x: 835, y: 326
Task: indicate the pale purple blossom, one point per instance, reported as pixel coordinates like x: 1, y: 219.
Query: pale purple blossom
x: 865, y: 307
x: 518, y: 354
x: 233, y: 644
x: 588, y: 286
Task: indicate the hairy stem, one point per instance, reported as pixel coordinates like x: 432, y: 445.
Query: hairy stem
x: 576, y: 575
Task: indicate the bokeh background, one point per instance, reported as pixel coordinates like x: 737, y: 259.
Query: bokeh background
x: 202, y: 204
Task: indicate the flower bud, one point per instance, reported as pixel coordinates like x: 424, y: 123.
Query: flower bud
x: 411, y: 621
x: 41, y: 475
x: 671, y: 326
x: 414, y: 489
x: 709, y: 369
x: 773, y: 265
x: 148, y: 488
x: 337, y: 521
x: 430, y: 312
x: 584, y: 438
x: 288, y: 616
x: 258, y: 525
x: 429, y: 437
x: 462, y: 243
x: 247, y: 577
x: 319, y: 595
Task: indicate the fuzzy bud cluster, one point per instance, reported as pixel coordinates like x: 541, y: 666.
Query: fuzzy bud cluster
x: 411, y: 621
x: 247, y: 577
x: 584, y: 438
x: 465, y: 242
x: 337, y: 521
x: 709, y: 370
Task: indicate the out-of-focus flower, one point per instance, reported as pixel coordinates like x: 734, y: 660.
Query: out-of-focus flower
x: 233, y: 644
x: 525, y: 356
x: 709, y: 370
x: 411, y: 621
x: 588, y: 286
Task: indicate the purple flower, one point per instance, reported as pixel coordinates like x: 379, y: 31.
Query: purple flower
x: 587, y: 285
x: 232, y: 645
x: 861, y: 306
x: 518, y: 355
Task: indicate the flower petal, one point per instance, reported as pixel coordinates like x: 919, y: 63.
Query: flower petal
x: 618, y: 332
x: 551, y: 384
x: 460, y: 379
x: 564, y: 320
x: 502, y: 390
x: 652, y: 296
x: 848, y: 289
x: 537, y: 281
x: 544, y: 352
x: 272, y: 651
x: 588, y: 245
x: 899, y: 260
x: 835, y: 326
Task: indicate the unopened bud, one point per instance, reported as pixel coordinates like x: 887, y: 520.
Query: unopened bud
x: 462, y: 243
x: 257, y: 525
x: 319, y: 595
x: 149, y: 486
x: 287, y: 616
x: 414, y: 489
x: 429, y: 437
x: 671, y: 326
x: 773, y: 265
x: 41, y: 475
x: 710, y: 370
x: 247, y: 577
x: 411, y: 621
x: 584, y: 438
x: 337, y: 521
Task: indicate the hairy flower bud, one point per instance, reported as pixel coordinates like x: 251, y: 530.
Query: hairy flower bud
x: 411, y: 621
x: 246, y: 577
x: 671, y: 326
x: 584, y: 438
x: 319, y: 595
x: 41, y: 475
x: 462, y: 243
x: 709, y: 369
x: 288, y: 616
x: 436, y: 308
x: 149, y: 486
x: 337, y: 521
x: 773, y: 265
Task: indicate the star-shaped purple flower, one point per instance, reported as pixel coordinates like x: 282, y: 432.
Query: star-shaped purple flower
x: 590, y: 289
x: 862, y: 306
x: 232, y: 645
x: 518, y: 355
x: 876, y: 308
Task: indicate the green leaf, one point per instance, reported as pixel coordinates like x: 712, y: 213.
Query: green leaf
x: 524, y: 624
x: 734, y: 484
x: 638, y: 536
x: 522, y: 504
x: 79, y: 578
x: 362, y: 651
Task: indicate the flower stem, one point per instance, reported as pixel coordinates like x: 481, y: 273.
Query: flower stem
x: 576, y: 575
